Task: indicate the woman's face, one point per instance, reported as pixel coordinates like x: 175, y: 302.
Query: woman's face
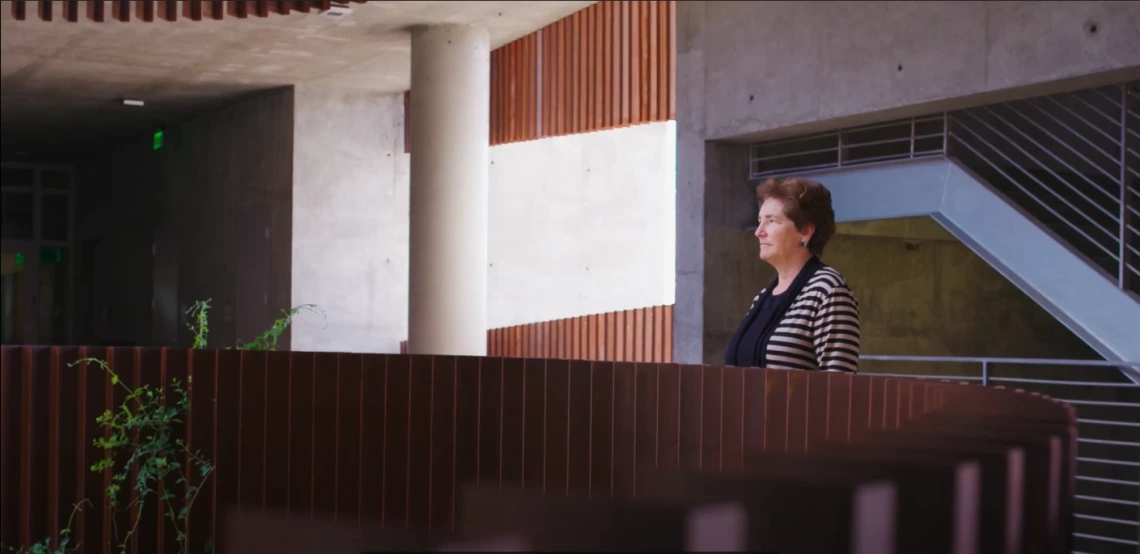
x: 778, y: 236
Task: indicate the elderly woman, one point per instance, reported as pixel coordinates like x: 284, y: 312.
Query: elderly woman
x: 807, y: 318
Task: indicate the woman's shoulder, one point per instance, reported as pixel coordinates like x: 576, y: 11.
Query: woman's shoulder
x: 828, y: 279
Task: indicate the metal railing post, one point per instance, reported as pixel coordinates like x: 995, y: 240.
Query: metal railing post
x: 985, y: 373
x: 1123, y: 256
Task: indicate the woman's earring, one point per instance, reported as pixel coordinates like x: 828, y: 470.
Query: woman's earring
x: 803, y: 243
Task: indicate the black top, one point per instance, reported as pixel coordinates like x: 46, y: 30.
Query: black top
x: 753, y: 343
x: 748, y: 345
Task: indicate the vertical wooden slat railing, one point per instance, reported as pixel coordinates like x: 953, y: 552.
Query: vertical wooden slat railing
x: 610, y: 65
x: 388, y: 440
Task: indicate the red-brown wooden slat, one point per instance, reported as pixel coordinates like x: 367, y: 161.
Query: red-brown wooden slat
x: 121, y: 10
x: 96, y: 11
x: 570, y: 103
x: 192, y: 9
x: 539, y: 81
x: 499, y: 125
x: 653, y: 55
x: 595, y: 66
x: 281, y: 7
x: 562, y: 97
x: 496, y: 97
x: 583, y: 54
x: 215, y: 9
x: 514, y: 96
x: 53, y: 409
x: 299, y: 429
x: 71, y: 11
x: 586, y: 67
x: 168, y: 10
x: 532, y: 89
x: 46, y: 10
x: 239, y: 10
x: 19, y: 9
x: 522, y: 79
x: 662, y: 57
x: 526, y: 117
x: 27, y: 395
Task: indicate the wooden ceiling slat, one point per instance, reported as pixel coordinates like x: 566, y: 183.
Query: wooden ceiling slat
x: 215, y: 9
x: 121, y: 10
x: 168, y: 10
x: 71, y: 11
x: 19, y: 10
x: 236, y: 9
x: 96, y: 11
x: 144, y: 10
x: 45, y: 10
x: 281, y: 7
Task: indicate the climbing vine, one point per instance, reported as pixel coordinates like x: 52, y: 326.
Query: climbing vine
x: 142, y: 451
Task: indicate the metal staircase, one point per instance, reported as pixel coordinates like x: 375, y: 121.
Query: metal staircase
x: 1072, y: 161
x: 1046, y: 190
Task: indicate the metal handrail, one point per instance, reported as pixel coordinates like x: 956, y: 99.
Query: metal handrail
x: 1099, y: 505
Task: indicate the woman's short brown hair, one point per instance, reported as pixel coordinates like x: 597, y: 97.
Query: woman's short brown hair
x: 804, y: 202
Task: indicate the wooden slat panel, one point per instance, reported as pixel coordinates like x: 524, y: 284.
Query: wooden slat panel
x: 388, y: 440
x: 641, y: 335
x: 607, y: 66
x: 96, y: 11
x: 71, y: 11
x: 121, y: 10
x: 45, y: 10
x: 19, y: 9
x: 167, y: 10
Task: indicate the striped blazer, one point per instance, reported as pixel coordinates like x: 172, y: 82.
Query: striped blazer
x: 819, y: 330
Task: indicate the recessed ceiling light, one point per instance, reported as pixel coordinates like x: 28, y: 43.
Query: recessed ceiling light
x: 133, y: 102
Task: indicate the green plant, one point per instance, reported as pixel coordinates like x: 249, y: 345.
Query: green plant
x: 200, y: 326
x: 268, y: 339
x: 199, y: 322
x: 142, y: 444
x: 64, y: 543
x: 140, y: 441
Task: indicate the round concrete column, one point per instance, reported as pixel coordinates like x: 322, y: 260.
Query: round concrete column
x: 449, y: 145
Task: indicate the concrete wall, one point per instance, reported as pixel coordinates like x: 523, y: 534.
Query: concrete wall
x: 771, y: 65
x: 578, y: 224
x: 350, y: 220
x: 207, y: 216
x: 921, y: 293
x: 582, y: 224
x: 300, y: 196
x: 747, y: 70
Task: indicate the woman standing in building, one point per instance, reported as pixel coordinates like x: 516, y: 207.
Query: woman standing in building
x: 807, y: 318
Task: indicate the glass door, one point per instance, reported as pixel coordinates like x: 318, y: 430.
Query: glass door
x: 36, y: 221
x: 19, y: 318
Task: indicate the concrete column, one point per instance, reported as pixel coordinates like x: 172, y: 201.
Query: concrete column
x: 449, y: 145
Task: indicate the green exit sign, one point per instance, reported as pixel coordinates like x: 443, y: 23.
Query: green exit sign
x: 158, y: 137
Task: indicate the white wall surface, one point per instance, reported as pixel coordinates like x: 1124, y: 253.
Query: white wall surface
x: 579, y: 224
x: 582, y: 224
x: 350, y: 220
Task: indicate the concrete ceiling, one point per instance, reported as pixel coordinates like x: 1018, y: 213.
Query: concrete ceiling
x: 61, y: 83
